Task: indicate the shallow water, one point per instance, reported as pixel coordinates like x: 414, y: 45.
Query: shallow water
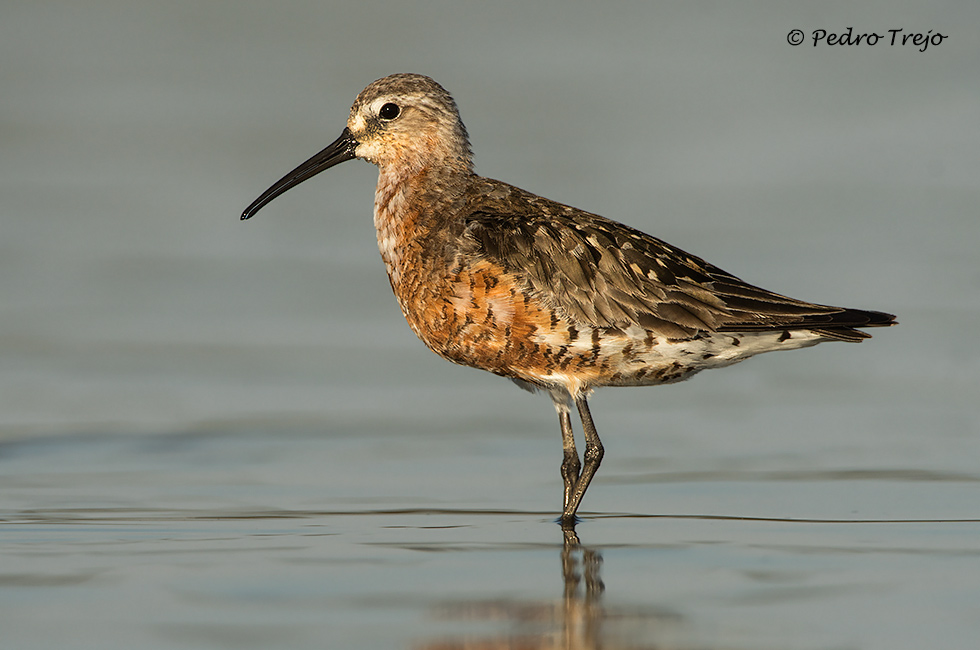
x: 215, y: 434
x: 183, y: 540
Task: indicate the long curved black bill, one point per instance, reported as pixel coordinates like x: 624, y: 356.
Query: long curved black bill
x: 336, y: 152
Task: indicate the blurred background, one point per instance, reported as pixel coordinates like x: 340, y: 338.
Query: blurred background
x: 133, y: 134
x: 217, y: 433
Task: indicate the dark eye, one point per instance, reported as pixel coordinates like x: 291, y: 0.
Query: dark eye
x: 389, y: 111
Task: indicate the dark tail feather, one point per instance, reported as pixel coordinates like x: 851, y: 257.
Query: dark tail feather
x: 834, y: 323
x: 843, y: 324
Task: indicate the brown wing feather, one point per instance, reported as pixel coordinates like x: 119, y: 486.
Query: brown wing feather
x: 605, y: 274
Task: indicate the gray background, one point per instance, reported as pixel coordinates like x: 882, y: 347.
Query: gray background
x: 160, y: 358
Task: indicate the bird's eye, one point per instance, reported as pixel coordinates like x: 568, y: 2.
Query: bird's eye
x: 389, y: 111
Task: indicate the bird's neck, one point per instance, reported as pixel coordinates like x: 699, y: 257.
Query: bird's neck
x: 404, y: 191
x: 408, y: 206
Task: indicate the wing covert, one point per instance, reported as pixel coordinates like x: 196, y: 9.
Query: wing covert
x: 602, y: 273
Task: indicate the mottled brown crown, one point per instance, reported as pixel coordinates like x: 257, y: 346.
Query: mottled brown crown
x: 428, y: 125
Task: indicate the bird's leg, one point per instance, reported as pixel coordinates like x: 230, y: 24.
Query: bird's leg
x: 570, y: 465
x: 592, y: 458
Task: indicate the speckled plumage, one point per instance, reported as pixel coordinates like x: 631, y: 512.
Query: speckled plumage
x: 494, y: 277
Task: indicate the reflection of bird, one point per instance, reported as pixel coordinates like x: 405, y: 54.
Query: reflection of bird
x: 555, y: 298
x: 578, y: 621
